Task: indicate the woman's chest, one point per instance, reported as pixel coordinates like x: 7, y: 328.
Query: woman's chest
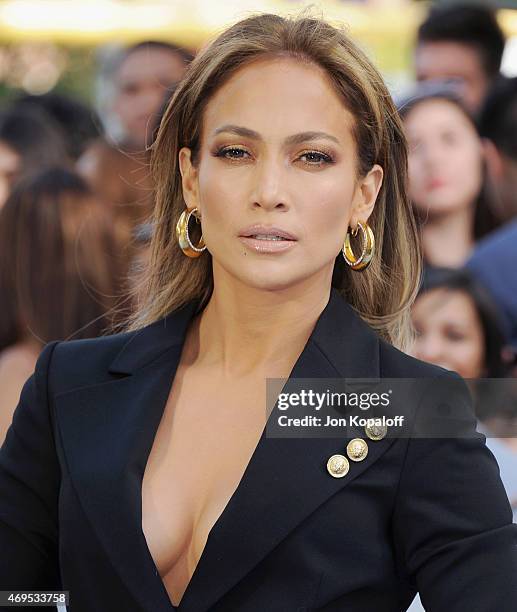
x: 203, y: 444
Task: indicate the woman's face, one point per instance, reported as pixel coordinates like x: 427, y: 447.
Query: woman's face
x: 277, y: 158
x: 449, y: 332
x: 10, y: 163
x: 445, y: 158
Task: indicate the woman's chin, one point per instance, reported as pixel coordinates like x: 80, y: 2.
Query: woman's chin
x: 268, y: 280
x: 272, y: 284
x: 270, y: 275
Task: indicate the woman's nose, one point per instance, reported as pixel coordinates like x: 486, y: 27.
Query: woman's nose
x: 270, y: 188
x: 432, y: 156
x: 430, y: 349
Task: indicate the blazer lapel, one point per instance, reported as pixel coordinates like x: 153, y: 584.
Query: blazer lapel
x: 285, y: 481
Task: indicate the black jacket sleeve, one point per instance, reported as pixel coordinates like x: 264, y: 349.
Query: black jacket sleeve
x: 453, y: 524
x: 29, y: 490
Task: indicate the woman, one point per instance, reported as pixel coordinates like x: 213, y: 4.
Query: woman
x: 446, y: 175
x: 457, y: 325
x: 283, y: 140
x: 458, y: 328
x: 58, y: 254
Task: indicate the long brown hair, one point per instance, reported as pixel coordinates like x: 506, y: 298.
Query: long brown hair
x: 60, y: 273
x: 381, y: 294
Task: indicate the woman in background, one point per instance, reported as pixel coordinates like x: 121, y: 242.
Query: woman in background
x: 457, y: 327
x: 446, y: 175
x: 59, y: 273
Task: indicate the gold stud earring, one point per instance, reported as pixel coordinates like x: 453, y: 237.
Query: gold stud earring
x: 361, y: 262
x: 183, y: 237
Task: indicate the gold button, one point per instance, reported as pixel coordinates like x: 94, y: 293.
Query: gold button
x: 376, y: 432
x: 338, y: 466
x: 357, y: 449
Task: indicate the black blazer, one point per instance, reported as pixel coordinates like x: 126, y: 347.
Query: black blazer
x: 423, y: 514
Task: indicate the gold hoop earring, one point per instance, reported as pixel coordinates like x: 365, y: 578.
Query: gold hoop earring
x: 361, y: 262
x: 183, y: 237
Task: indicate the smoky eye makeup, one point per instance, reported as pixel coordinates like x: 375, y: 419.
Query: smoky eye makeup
x: 319, y: 156
x: 316, y: 157
x: 230, y: 152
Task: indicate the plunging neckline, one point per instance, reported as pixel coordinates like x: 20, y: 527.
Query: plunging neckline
x: 296, y: 371
x: 148, y: 554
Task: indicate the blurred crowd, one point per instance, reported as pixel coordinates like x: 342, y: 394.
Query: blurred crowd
x: 75, y: 205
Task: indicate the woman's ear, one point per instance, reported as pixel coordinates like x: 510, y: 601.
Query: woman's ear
x: 365, y: 195
x: 189, y: 179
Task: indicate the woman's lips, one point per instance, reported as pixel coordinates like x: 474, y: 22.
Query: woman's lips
x: 267, y: 245
x: 436, y: 184
x: 267, y: 238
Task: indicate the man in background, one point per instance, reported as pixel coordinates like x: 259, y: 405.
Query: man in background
x: 145, y: 73
x: 461, y: 43
x: 143, y: 78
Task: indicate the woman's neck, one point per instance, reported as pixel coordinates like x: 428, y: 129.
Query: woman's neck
x: 448, y: 239
x: 244, y: 330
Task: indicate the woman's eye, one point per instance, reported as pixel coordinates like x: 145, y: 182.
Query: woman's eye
x: 317, y: 159
x: 449, y: 138
x: 312, y: 158
x: 232, y: 153
x: 455, y: 336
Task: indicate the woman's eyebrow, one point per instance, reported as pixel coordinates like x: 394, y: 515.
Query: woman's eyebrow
x: 290, y: 140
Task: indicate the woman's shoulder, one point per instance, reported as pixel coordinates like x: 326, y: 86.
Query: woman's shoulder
x: 86, y: 361
x: 16, y: 365
x: 17, y: 360
x: 77, y: 363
